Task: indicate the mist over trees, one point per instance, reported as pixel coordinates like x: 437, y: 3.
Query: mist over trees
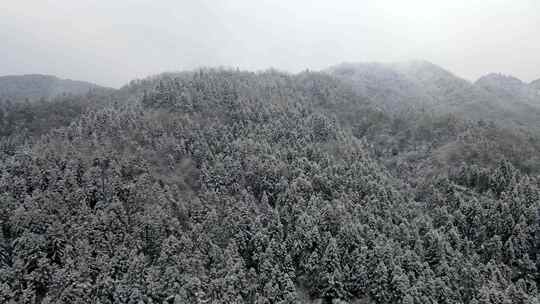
x: 34, y: 87
x: 363, y: 183
x: 424, y: 86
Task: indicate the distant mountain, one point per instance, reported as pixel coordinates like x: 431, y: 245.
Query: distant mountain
x: 385, y: 87
x: 510, y: 88
x: 449, y: 91
x: 502, y: 83
x: 535, y: 84
x: 416, y: 85
x: 37, y: 86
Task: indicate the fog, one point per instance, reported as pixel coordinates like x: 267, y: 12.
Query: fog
x: 112, y: 42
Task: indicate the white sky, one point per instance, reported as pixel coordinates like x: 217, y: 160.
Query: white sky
x: 113, y: 41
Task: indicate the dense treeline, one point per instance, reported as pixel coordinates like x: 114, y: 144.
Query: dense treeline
x: 234, y: 187
x: 22, y: 121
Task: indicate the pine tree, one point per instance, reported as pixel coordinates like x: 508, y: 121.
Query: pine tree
x: 379, y: 289
x: 331, y: 281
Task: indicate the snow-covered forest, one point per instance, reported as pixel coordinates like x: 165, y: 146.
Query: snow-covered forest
x: 363, y: 183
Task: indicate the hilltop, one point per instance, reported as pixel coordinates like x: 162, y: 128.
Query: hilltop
x: 37, y: 86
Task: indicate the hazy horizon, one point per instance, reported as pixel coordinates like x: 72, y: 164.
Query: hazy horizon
x: 113, y: 43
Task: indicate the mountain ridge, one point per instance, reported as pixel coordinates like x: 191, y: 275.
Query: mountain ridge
x: 420, y: 84
x: 35, y: 86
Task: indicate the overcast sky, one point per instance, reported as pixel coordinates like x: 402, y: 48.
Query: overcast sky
x: 113, y: 41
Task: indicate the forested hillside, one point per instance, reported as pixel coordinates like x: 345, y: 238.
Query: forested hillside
x: 424, y: 86
x: 224, y: 186
x: 33, y: 87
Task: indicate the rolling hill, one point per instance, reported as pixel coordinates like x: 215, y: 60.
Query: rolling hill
x: 36, y: 86
x: 422, y: 85
x: 227, y: 186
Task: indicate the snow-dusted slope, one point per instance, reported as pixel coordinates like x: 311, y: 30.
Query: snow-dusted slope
x: 422, y: 85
